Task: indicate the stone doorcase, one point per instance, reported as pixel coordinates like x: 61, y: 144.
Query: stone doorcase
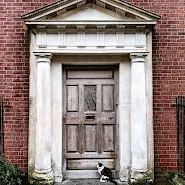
x: 89, y: 32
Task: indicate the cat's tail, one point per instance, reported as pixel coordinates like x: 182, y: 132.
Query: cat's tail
x: 114, y: 182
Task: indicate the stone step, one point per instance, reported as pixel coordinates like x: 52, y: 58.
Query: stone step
x: 89, y: 182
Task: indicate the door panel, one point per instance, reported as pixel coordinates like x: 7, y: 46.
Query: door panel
x: 90, y: 138
x: 89, y: 74
x: 108, y: 138
x: 89, y: 119
x: 72, y: 138
x: 72, y: 98
x: 108, y: 97
x: 89, y: 164
x: 90, y: 97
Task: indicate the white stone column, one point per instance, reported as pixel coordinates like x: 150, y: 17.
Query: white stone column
x: 138, y: 114
x: 43, y: 170
x: 56, y: 114
x: 124, y: 120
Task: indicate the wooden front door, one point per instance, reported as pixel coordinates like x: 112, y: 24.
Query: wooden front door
x: 89, y: 120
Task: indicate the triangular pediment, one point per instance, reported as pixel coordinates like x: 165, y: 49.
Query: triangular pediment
x: 89, y: 14
x: 90, y: 10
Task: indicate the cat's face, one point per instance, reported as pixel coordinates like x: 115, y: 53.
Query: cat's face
x: 100, y: 165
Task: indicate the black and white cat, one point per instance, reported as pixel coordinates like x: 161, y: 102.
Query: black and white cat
x: 106, y: 174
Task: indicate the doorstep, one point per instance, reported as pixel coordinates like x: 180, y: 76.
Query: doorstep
x: 88, y: 182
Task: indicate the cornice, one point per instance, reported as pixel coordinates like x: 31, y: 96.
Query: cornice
x: 90, y: 26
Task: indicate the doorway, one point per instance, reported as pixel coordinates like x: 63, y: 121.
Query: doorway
x: 89, y: 120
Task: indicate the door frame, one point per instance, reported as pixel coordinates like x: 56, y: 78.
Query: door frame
x: 124, y: 63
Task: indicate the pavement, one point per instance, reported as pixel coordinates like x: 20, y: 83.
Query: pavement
x: 89, y: 182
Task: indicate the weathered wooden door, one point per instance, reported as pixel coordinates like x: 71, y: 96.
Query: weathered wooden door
x: 89, y: 120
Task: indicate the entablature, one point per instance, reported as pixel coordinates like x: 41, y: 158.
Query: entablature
x: 84, y: 42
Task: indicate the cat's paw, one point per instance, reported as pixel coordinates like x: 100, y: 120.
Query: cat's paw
x: 101, y: 180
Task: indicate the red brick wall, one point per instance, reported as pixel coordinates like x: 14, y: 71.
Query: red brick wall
x: 168, y: 69
x: 14, y: 76
x: 168, y: 75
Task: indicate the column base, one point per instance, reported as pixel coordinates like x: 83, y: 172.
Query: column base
x: 58, y: 178
x: 43, y: 177
x: 124, y: 175
x: 140, y: 176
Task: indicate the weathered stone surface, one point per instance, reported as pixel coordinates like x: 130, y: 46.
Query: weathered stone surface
x: 88, y: 182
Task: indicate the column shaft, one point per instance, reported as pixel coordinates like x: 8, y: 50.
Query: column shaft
x: 43, y: 169
x: 124, y: 120
x: 43, y: 127
x: 138, y: 113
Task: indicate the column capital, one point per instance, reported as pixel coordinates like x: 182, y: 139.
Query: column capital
x: 43, y: 57
x: 138, y: 57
